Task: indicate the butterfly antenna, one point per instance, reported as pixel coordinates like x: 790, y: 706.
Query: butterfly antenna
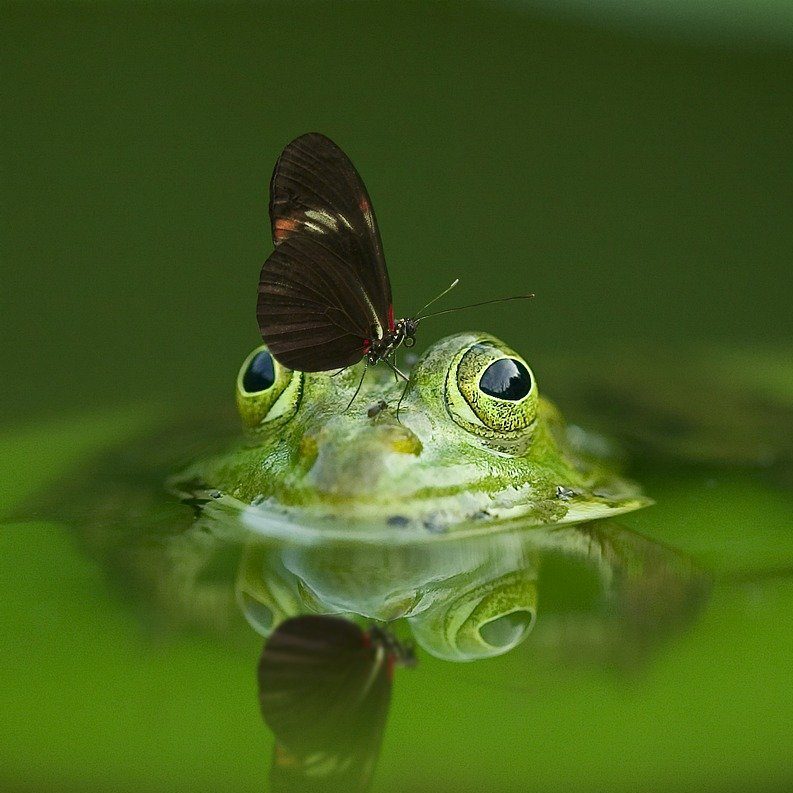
x: 438, y: 297
x: 474, y: 305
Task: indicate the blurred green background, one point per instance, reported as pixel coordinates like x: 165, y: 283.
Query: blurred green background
x: 628, y: 162
x: 640, y: 182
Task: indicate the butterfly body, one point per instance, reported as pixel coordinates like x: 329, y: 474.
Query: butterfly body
x: 401, y: 332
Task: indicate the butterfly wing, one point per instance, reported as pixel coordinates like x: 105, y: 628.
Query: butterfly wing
x: 322, y: 221
x: 324, y: 691
x: 312, y: 314
x: 316, y: 190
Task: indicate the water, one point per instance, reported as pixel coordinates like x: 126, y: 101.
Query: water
x: 650, y: 650
x: 638, y: 183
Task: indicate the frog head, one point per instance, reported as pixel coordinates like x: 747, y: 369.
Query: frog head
x: 467, y: 440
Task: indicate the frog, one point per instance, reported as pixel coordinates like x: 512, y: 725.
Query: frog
x: 321, y: 530
x: 467, y: 443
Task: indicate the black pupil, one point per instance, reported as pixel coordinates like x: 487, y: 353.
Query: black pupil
x: 260, y: 374
x: 506, y: 379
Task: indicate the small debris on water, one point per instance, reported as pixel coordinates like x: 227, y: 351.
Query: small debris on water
x: 398, y: 520
x: 435, y: 523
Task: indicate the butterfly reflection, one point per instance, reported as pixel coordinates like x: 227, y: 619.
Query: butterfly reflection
x: 324, y: 691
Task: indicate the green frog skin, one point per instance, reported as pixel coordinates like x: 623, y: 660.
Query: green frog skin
x: 473, y: 444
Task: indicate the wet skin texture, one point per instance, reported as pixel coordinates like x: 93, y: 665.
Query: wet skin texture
x: 472, y: 441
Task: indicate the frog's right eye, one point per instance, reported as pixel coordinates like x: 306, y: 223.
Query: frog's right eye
x: 259, y: 374
x: 265, y: 389
x: 491, y: 391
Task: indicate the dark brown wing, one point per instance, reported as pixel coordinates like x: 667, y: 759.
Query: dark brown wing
x: 313, y: 314
x: 315, y: 190
x: 324, y: 292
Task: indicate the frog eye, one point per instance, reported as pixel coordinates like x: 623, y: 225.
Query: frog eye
x: 265, y: 389
x: 506, y: 378
x: 259, y: 374
x: 492, y: 391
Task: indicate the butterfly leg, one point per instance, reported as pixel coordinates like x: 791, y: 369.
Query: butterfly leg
x: 395, y: 369
x: 393, y: 366
x: 402, y: 396
x: 340, y: 371
x: 360, y: 383
x: 398, y: 371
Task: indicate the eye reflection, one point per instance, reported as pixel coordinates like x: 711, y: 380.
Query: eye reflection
x: 507, y: 630
x: 506, y: 378
x: 259, y: 615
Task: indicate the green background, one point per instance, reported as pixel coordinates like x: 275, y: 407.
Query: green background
x: 640, y: 182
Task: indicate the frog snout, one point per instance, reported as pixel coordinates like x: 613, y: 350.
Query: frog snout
x: 352, y: 463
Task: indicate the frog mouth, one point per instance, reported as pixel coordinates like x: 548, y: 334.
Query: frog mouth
x: 431, y: 513
x: 456, y: 501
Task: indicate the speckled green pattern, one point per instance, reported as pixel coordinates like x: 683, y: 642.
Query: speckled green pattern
x: 433, y: 466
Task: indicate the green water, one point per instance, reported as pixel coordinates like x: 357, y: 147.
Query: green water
x: 131, y: 672
x: 637, y: 179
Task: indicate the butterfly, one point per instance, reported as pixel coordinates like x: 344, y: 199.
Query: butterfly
x: 324, y: 299
x: 324, y: 691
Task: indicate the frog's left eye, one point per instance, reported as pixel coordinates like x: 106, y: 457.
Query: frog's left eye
x: 265, y: 389
x: 491, y: 391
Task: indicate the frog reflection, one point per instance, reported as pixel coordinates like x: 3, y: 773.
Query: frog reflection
x: 609, y: 594
x: 478, y: 597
